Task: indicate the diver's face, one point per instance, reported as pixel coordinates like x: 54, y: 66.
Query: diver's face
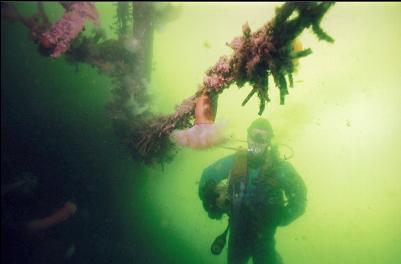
x: 258, y: 141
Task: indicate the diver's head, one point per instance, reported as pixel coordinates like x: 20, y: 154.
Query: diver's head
x: 260, y: 133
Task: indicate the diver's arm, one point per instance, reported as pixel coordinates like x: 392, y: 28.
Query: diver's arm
x: 295, y: 191
x: 211, y: 177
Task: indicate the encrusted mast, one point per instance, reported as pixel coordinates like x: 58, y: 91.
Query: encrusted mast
x: 270, y: 51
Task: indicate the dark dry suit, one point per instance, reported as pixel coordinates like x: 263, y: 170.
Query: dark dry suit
x: 273, y: 195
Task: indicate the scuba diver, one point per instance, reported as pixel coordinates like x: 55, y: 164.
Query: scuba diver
x: 259, y: 191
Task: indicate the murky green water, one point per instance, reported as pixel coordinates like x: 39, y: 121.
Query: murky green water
x: 341, y: 119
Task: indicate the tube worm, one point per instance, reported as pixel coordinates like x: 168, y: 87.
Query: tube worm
x: 205, y: 132
x: 59, y: 216
x: 204, y: 111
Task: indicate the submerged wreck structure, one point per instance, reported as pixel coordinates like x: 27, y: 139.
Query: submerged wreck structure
x: 272, y: 50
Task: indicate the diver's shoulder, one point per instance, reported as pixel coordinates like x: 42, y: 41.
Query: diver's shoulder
x: 284, y: 163
x: 285, y: 167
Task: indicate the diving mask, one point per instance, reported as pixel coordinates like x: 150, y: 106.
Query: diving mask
x: 258, y: 141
